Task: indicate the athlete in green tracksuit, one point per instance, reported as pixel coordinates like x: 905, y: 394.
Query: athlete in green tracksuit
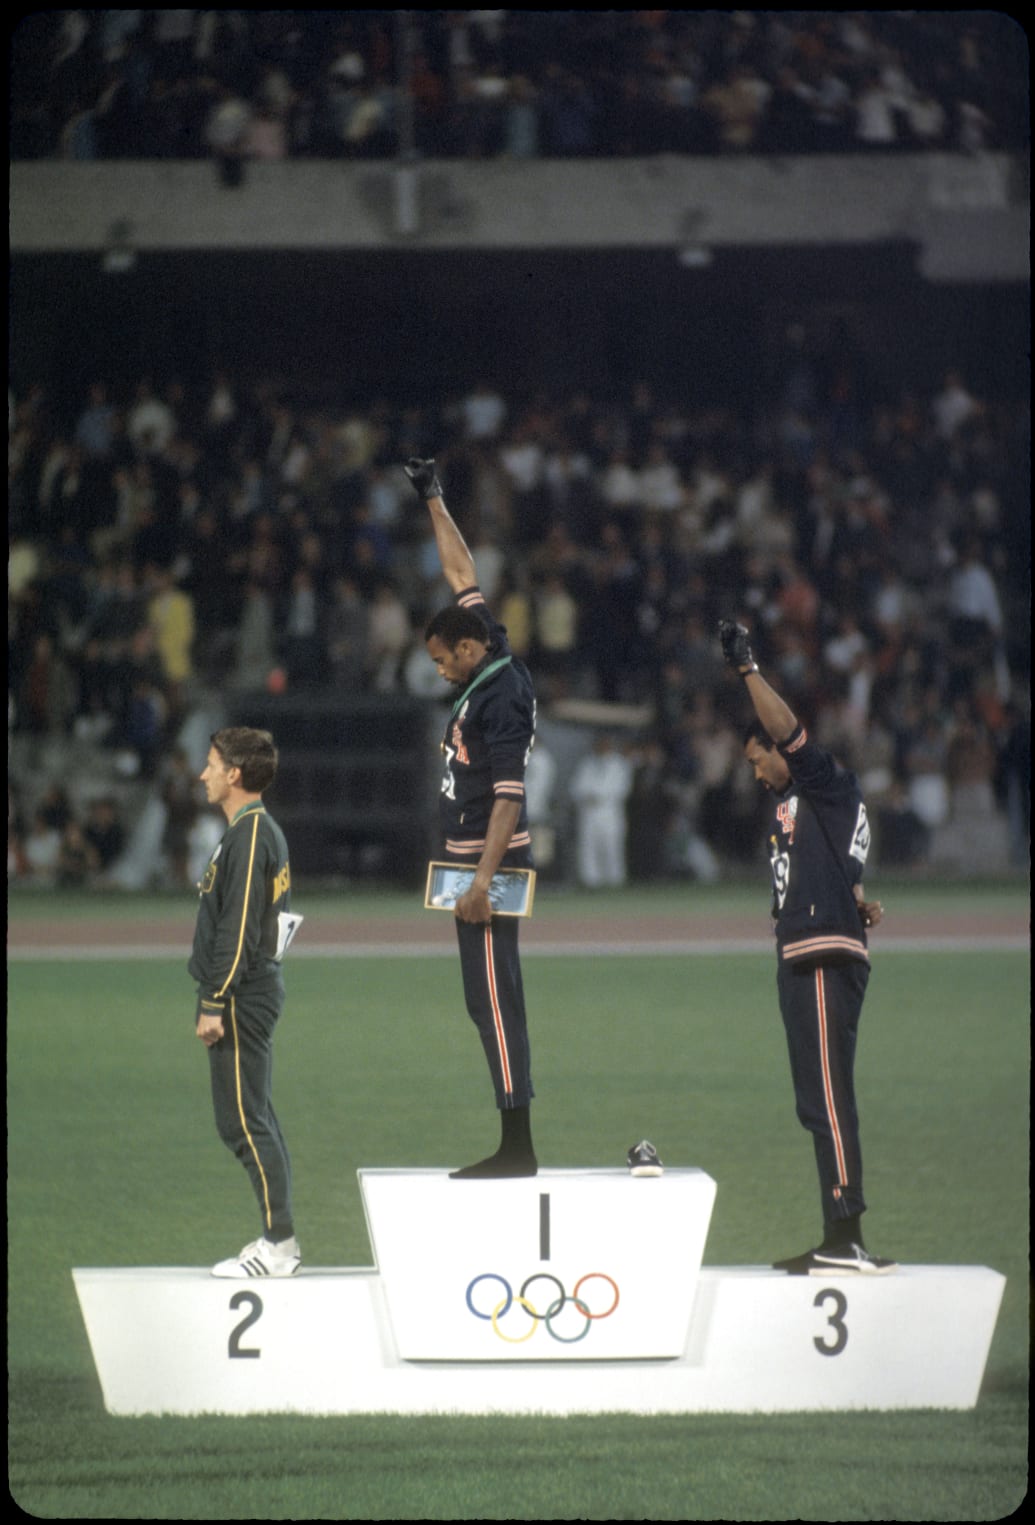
x: 242, y: 928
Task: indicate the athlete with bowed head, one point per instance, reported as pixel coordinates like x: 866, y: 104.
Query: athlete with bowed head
x: 484, y: 817
x: 818, y: 843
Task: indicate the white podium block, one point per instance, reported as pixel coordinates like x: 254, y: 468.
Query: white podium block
x: 605, y: 1273
x: 172, y: 1340
x: 568, y: 1265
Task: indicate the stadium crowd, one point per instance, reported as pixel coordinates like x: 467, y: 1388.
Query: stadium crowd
x: 238, y: 84
x: 175, y: 537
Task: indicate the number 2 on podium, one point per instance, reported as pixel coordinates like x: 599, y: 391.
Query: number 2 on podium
x: 234, y: 1349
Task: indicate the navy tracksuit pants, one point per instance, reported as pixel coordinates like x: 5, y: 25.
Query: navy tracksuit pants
x: 495, y: 1001
x: 821, y: 1006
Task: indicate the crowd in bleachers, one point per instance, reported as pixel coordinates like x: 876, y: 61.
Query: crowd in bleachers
x: 268, y: 85
x: 234, y: 535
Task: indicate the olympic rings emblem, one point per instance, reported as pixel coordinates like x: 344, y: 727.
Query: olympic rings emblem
x: 498, y: 1311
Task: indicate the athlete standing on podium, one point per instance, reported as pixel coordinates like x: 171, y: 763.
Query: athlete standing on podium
x: 818, y: 843
x: 487, y: 741
x: 242, y: 931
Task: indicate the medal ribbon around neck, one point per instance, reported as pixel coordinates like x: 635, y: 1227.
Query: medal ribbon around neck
x: 492, y: 667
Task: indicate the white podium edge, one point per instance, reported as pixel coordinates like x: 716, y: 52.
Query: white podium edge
x: 664, y: 1383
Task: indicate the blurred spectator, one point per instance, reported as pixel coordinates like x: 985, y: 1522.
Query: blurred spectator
x: 347, y: 636
x: 514, y: 610
x: 649, y: 811
x: 41, y: 850
x: 620, y: 485
x: 521, y: 456
x: 568, y: 114
x: 17, y: 862
x: 389, y: 636
x: 483, y: 412
x: 46, y: 703
x: 737, y: 105
x: 927, y: 120
x: 521, y: 83
x: 599, y: 788
x: 876, y: 114
x: 975, y: 621
x: 540, y: 782
x: 227, y: 133
x: 255, y: 654
x: 953, y: 406
x: 170, y: 613
x: 54, y: 807
x: 95, y: 428
x: 521, y: 138
x: 660, y: 486
x: 973, y: 600
x: 303, y: 643
x: 974, y: 839
x: 927, y: 781
x: 556, y: 627
x: 843, y: 649
x: 179, y: 790
x: 77, y: 859
x: 104, y: 831
x: 143, y: 726
x: 1013, y: 780
x: 902, y: 836
x: 843, y: 552
x: 150, y: 423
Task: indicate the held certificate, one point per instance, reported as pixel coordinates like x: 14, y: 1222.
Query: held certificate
x: 510, y: 894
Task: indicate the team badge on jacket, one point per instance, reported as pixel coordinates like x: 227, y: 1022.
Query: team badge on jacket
x: 208, y: 878
x: 787, y: 815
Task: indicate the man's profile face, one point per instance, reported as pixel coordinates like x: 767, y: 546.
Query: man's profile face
x: 768, y: 766
x: 455, y: 664
x: 216, y: 778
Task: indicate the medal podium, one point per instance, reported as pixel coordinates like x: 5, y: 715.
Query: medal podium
x: 575, y: 1291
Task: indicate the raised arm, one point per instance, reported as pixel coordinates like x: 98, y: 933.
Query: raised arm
x: 777, y: 716
x: 457, y: 562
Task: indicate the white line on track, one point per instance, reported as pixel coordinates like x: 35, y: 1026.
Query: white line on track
x: 71, y: 953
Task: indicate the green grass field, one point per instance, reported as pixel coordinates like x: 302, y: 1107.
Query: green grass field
x: 113, y: 1160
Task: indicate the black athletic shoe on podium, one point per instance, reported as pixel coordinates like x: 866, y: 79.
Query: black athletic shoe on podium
x: 843, y: 1257
x: 643, y: 1160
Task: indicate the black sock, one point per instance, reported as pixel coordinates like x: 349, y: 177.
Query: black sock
x: 515, y: 1155
x: 516, y: 1130
x: 842, y: 1231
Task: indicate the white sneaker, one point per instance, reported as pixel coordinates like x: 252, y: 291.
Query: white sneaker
x: 262, y: 1258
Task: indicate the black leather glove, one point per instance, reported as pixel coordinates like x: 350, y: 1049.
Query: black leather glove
x: 736, y: 647
x: 424, y: 478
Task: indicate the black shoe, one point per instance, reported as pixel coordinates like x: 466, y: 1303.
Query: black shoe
x: 831, y: 1260
x: 850, y: 1257
x: 498, y: 1167
x: 642, y: 1160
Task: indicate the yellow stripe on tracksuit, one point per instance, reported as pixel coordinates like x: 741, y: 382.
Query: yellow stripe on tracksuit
x: 244, y: 1121
x: 233, y: 1020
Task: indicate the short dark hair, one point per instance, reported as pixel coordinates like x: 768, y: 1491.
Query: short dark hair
x: 254, y: 752
x: 453, y: 625
x: 756, y: 731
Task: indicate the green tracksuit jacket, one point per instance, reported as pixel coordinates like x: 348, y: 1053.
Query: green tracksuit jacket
x: 246, y: 884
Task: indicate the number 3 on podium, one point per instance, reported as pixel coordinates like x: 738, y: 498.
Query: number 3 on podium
x: 836, y: 1321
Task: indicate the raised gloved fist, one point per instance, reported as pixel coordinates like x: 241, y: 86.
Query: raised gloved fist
x: 736, y: 647
x: 424, y: 478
